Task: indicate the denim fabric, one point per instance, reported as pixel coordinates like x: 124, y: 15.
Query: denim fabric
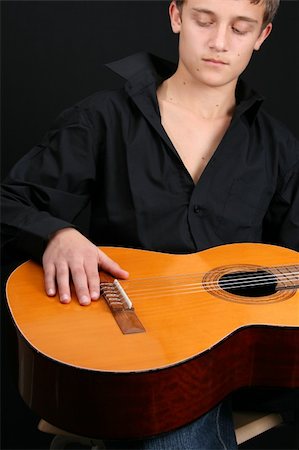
x: 212, y: 431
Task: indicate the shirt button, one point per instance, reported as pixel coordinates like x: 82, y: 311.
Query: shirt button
x: 197, y: 209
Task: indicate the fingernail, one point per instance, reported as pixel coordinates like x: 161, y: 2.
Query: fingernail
x: 50, y: 292
x: 84, y: 300
x: 95, y: 295
x: 65, y: 298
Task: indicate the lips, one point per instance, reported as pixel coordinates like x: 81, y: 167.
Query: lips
x: 215, y: 61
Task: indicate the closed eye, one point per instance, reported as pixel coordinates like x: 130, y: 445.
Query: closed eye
x: 204, y: 24
x: 240, y: 32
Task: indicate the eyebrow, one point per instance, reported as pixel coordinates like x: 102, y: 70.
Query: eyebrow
x: 211, y: 13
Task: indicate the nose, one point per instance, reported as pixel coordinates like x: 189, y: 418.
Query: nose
x: 219, y: 39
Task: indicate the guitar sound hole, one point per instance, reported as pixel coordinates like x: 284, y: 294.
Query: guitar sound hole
x: 249, y: 284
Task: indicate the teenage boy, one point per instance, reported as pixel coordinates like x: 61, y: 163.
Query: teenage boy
x: 179, y: 160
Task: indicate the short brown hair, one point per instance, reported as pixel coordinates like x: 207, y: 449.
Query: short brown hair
x: 271, y: 7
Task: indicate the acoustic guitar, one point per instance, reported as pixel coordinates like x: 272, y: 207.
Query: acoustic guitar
x: 160, y: 349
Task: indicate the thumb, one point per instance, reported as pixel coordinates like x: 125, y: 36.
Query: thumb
x: 110, y: 266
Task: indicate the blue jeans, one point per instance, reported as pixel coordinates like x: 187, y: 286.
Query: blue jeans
x: 212, y: 431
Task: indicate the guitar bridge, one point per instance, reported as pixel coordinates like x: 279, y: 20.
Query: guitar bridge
x: 121, y: 307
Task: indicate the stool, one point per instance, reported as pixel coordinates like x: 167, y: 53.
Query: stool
x: 63, y: 438
x: 248, y: 424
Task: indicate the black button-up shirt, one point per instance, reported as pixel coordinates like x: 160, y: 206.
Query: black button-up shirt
x: 110, y: 151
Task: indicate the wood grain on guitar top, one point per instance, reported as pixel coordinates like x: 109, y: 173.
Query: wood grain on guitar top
x: 179, y: 322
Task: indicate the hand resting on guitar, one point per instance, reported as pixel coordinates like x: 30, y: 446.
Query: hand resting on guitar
x: 70, y: 253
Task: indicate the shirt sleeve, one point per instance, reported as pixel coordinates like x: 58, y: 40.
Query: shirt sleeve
x: 51, y: 185
x: 282, y: 219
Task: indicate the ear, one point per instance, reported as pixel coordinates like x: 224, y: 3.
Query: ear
x: 263, y: 36
x: 175, y: 17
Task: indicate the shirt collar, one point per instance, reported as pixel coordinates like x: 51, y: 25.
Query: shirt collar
x: 142, y: 69
x: 135, y: 66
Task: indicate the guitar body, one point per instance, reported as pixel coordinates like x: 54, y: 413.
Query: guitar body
x: 78, y: 371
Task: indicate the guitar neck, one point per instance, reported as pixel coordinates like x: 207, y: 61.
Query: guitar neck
x: 287, y: 276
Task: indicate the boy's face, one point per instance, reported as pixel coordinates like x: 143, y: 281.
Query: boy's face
x: 217, y: 38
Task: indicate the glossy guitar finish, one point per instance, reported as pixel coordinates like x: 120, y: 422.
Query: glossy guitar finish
x: 78, y: 370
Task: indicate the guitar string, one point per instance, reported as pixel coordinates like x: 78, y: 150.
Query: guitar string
x: 272, y: 277
x: 252, y: 275
x: 191, y: 289
x: 165, y: 293
x: 132, y: 285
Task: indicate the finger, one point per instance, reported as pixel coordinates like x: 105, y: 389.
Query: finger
x: 80, y: 283
x: 63, y: 282
x: 49, y: 279
x: 108, y: 265
x: 93, y: 280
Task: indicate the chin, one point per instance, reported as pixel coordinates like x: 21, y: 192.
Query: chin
x: 212, y: 80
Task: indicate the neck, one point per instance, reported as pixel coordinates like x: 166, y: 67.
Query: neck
x: 207, y: 102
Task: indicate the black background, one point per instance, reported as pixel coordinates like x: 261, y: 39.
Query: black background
x: 52, y: 56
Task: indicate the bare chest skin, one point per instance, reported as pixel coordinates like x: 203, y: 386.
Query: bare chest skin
x: 194, y: 138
